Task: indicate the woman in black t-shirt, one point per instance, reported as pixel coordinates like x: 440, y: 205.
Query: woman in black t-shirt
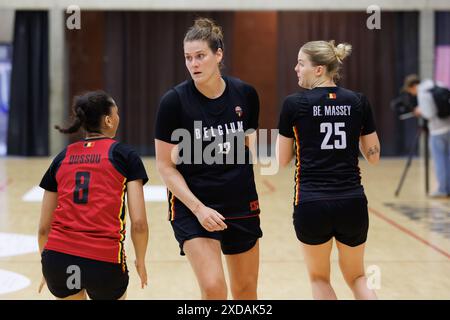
x: 208, y: 125
x: 325, y: 125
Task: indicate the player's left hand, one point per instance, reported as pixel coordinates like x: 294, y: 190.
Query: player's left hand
x: 42, y: 284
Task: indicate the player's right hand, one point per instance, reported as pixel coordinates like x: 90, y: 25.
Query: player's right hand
x: 210, y: 219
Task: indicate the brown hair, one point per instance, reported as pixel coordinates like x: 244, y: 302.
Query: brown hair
x: 410, y: 81
x: 205, y: 29
x: 325, y: 53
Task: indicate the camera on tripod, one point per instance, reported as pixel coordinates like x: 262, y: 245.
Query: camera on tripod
x: 405, y: 104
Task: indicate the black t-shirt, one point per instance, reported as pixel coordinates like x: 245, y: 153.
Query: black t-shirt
x: 210, y: 134
x: 124, y: 158
x: 326, y: 124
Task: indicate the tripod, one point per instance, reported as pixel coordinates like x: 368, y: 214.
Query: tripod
x: 422, y: 128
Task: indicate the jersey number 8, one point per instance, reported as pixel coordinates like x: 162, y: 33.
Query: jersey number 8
x: 327, y: 128
x: 81, y: 193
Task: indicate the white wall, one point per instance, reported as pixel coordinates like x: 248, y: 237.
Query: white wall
x: 6, y: 25
x: 230, y: 4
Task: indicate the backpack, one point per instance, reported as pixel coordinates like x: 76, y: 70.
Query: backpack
x: 441, y: 97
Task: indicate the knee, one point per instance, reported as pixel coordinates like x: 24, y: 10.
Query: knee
x: 353, y: 281
x: 319, y: 279
x: 214, y: 289
x: 244, y: 289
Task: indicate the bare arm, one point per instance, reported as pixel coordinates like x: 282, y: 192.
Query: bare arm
x: 284, y: 150
x: 49, y: 203
x: 370, y: 147
x: 166, y: 154
x: 139, y: 226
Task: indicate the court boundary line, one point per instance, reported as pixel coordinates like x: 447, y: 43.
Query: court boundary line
x: 409, y: 232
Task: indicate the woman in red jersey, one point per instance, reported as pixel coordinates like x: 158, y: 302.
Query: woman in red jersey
x: 82, y: 226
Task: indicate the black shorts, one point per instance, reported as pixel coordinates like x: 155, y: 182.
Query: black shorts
x: 347, y: 220
x: 101, y: 280
x: 240, y: 235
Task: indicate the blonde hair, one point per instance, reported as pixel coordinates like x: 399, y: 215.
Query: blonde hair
x: 325, y: 53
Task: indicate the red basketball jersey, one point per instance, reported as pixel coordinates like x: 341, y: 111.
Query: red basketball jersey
x: 89, y: 220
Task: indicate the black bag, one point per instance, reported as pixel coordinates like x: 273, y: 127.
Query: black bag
x: 441, y: 97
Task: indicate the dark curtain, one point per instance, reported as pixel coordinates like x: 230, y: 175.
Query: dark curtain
x: 254, y: 55
x: 28, y: 115
x: 85, y: 56
x: 143, y: 59
x: 373, y: 66
x: 406, y: 62
x: 442, y: 25
x: 138, y: 56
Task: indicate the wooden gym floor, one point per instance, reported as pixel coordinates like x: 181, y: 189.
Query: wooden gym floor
x: 409, y: 238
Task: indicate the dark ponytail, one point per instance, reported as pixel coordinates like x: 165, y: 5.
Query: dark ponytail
x: 88, y: 110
